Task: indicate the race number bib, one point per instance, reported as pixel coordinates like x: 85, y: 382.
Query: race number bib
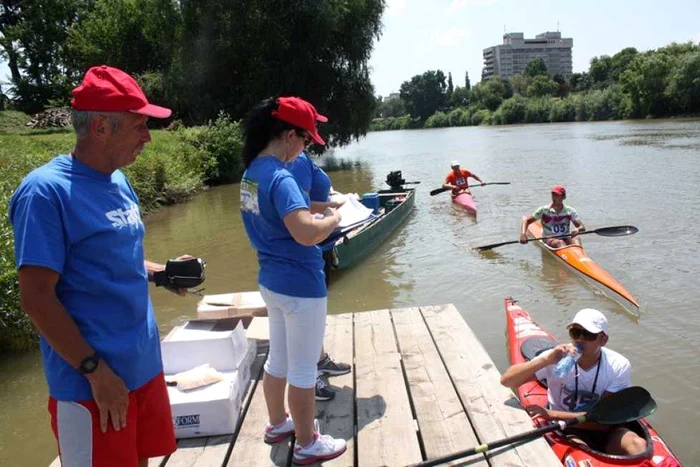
x: 560, y: 229
x: 582, y: 403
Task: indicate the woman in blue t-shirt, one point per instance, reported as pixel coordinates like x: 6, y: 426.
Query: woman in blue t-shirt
x: 277, y: 218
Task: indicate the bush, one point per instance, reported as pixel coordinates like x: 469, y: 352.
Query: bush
x: 216, y: 149
x: 607, y: 104
x: 562, y: 110
x: 437, y: 120
x: 480, y: 117
x: 16, y: 330
x: 537, y: 110
x: 512, y: 110
x: 459, y: 117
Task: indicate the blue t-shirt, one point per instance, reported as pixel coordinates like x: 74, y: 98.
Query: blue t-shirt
x: 268, y: 193
x: 311, y: 178
x: 303, y: 170
x: 86, y: 226
x: 320, y: 185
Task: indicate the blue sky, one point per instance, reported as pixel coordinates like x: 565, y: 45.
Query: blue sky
x: 450, y: 35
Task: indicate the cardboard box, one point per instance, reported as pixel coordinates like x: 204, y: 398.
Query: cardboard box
x: 214, y: 409
x: 221, y: 345
x: 231, y: 305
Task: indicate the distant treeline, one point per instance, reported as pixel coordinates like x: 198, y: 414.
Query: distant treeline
x: 198, y: 57
x: 630, y: 84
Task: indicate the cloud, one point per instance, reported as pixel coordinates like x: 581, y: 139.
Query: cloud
x: 395, y: 7
x: 449, y: 37
x: 458, y: 5
x: 697, y: 38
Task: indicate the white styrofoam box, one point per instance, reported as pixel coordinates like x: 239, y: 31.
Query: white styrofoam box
x: 211, y: 410
x: 200, y: 342
x: 231, y: 305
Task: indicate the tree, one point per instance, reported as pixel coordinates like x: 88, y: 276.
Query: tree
x: 579, y: 82
x: 148, y: 33
x: 425, y: 94
x: 563, y: 86
x: 467, y: 83
x: 620, y: 61
x: 236, y: 53
x: 460, y: 97
x: 645, y: 81
x: 491, y: 92
x: 520, y: 83
x: 684, y: 83
x: 600, y: 69
x: 536, y: 67
x: 391, y: 108
x: 32, y: 39
x: 450, y: 86
x: 541, y: 86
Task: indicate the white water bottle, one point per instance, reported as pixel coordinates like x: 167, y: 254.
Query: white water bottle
x: 565, y: 365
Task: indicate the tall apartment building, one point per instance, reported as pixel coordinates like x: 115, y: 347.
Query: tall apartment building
x: 516, y: 52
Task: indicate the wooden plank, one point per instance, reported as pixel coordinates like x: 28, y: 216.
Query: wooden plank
x: 386, y: 431
x: 443, y: 424
x: 157, y: 461
x: 493, y: 409
x: 199, y: 451
x: 152, y: 462
x: 248, y: 446
x: 337, y: 417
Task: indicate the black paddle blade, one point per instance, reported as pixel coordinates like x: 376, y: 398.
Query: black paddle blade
x: 617, y: 231
x: 437, y: 191
x: 624, y: 406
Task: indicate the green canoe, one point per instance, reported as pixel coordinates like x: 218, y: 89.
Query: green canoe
x: 395, y: 206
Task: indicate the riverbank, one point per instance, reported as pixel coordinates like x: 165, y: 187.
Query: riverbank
x: 174, y: 166
x: 594, y: 106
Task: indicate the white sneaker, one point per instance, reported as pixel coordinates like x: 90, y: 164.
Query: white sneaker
x: 323, y: 448
x: 275, y: 434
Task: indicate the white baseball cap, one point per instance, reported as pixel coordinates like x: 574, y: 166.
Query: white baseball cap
x: 454, y: 164
x: 591, y: 320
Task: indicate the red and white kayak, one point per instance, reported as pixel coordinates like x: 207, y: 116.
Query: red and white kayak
x: 575, y: 257
x: 525, y: 341
x: 466, y: 201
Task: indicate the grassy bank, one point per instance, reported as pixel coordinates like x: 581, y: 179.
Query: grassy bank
x: 173, y: 167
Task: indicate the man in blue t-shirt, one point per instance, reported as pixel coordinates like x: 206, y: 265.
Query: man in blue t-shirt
x: 84, y: 282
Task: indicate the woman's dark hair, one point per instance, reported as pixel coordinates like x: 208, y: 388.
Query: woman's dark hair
x: 260, y: 127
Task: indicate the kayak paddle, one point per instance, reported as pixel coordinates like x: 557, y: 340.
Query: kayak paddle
x: 616, y: 231
x: 437, y: 191
x: 620, y: 407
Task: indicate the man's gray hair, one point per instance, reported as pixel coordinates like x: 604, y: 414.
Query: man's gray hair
x: 81, y: 120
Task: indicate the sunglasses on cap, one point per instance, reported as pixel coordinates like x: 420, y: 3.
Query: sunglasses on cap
x: 575, y: 333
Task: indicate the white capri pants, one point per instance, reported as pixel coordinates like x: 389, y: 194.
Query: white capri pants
x: 297, y: 326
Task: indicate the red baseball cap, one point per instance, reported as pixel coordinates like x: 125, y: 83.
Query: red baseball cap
x: 107, y: 89
x: 559, y: 190
x: 302, y: 114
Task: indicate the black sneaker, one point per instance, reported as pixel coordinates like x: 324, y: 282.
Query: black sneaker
x: 330, y: 367
x: 323, y: 392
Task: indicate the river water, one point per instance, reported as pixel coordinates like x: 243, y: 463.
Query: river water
x: 644, y: 173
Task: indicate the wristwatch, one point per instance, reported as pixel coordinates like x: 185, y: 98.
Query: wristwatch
x: 89, y: 364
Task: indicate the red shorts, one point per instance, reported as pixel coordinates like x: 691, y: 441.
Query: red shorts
x: 149, y: 429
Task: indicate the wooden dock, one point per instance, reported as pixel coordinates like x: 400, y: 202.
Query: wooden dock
x: 422, y: 386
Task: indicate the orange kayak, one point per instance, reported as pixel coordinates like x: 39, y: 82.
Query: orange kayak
x: 576, y: 257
